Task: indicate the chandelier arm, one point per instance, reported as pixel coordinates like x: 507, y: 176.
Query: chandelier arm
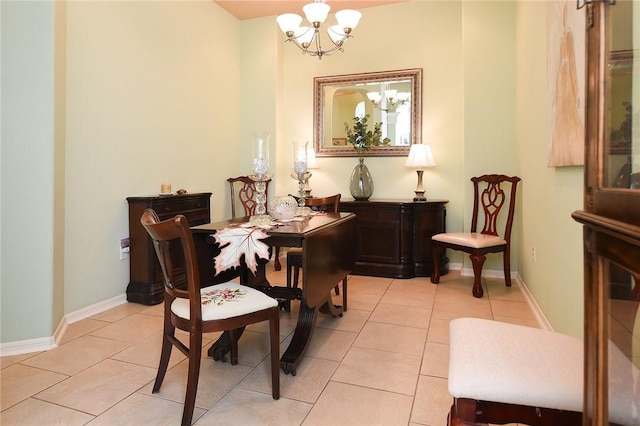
x: 319, y: 52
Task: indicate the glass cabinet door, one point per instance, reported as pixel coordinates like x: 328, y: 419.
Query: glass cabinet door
x: 622, y: 90
x: 623, y: 351
x: 611, y: 214
x: 621, y: 173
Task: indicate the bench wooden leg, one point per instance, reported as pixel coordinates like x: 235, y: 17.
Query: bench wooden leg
x: 463, y: 412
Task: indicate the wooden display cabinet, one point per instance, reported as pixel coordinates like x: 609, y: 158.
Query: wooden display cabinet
x: 611, y: 220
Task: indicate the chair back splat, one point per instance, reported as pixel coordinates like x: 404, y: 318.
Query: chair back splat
x: 197, y: 310
x: 246, y: 190
x: 489, y: 200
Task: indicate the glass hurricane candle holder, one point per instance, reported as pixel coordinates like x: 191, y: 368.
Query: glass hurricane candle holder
x: 260, y: 165
x: 301, y: 174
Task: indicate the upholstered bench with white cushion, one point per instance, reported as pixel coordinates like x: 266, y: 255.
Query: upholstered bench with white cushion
x: 505, y: 373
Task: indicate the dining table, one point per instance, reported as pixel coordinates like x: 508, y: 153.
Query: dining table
x: 328, y: 246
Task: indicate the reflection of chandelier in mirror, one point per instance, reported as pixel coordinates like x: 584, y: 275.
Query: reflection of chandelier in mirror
x: 388, y: 99
x: 316, y: 13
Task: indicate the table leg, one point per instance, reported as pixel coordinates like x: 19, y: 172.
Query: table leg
x: 221, y: 347
x: 304, y: 330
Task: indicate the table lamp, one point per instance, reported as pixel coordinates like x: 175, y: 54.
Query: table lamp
x: 420, y: 156
x: 311, y: 164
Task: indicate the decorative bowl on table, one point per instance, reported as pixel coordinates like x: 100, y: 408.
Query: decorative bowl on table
x: 283, y: 208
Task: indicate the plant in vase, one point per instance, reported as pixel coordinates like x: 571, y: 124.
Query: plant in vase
x: 362, y: 139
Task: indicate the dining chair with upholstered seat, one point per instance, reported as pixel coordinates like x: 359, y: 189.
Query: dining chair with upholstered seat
x: 488, y: 201
x: 196, y: 310
x: 243, y: 189
x: 330, y: 204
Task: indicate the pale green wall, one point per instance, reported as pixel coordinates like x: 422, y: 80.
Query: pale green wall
x: 153, y: 95
x: 27, y: 286
x: 172, y: 90
x: 549, y: 194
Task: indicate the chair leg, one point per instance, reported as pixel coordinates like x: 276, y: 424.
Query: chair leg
x: 289, y: 271
x: 296, y: 276
x: 344, y: 294
x: 436, y: 251
x: 507, y: 267
x: 234, y: 336
x: 477, y: 261
x: 276, y: 262
x: 168, y: 330
x: 287, y: 304
x: 164, y: 363
x: 195, y: 352
x: 274, y: 332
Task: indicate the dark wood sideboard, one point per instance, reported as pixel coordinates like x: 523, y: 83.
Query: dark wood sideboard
x: 145, y: 281
x: 393, y: 237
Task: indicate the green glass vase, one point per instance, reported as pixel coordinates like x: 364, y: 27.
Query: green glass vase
x: 361, y: 183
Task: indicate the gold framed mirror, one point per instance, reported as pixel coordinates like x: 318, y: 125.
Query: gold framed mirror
x: 392, y: 98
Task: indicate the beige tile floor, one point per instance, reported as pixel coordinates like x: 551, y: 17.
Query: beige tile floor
x: 385, y: 362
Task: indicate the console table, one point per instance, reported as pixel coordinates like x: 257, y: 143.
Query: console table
x: 393, y: 237
x: 145, y: 281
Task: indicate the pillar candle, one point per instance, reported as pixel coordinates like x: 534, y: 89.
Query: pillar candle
x: 165, y: 188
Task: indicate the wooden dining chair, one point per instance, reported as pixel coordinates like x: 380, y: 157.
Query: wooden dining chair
x: 329, y: 204
x: 488, y: 201
x: 196, y: 310
x: 242, y: 190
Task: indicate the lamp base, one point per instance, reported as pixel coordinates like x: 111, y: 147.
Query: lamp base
x: 419, y: 198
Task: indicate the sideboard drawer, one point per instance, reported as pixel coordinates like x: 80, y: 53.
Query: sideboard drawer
x: 173, y: 205
x: 380, y: 214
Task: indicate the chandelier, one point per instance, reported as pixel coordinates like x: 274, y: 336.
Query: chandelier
x: 388, y: 99
x: 308, y: 38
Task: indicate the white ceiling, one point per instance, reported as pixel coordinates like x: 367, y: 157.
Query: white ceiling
x: 249, y: 9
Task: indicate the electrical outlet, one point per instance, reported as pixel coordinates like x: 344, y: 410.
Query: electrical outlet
x: 534, y: 257
x: 124, y: 248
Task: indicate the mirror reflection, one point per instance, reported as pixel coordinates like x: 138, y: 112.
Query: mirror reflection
x: 391, y: 98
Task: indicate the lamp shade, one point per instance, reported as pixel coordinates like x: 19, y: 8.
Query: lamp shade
x: 316, y: 12
x: 420, y: 156
x: 348, y: 18
x: 289, y: 22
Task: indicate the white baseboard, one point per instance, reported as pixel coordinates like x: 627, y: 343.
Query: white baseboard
x: 27, y: 346
x: 96, y: 308
x: 494, y: 273
x: 542, y: 320
x: 46, y: 343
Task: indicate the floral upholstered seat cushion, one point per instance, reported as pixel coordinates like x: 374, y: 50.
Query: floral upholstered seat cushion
x: 225, y: 301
